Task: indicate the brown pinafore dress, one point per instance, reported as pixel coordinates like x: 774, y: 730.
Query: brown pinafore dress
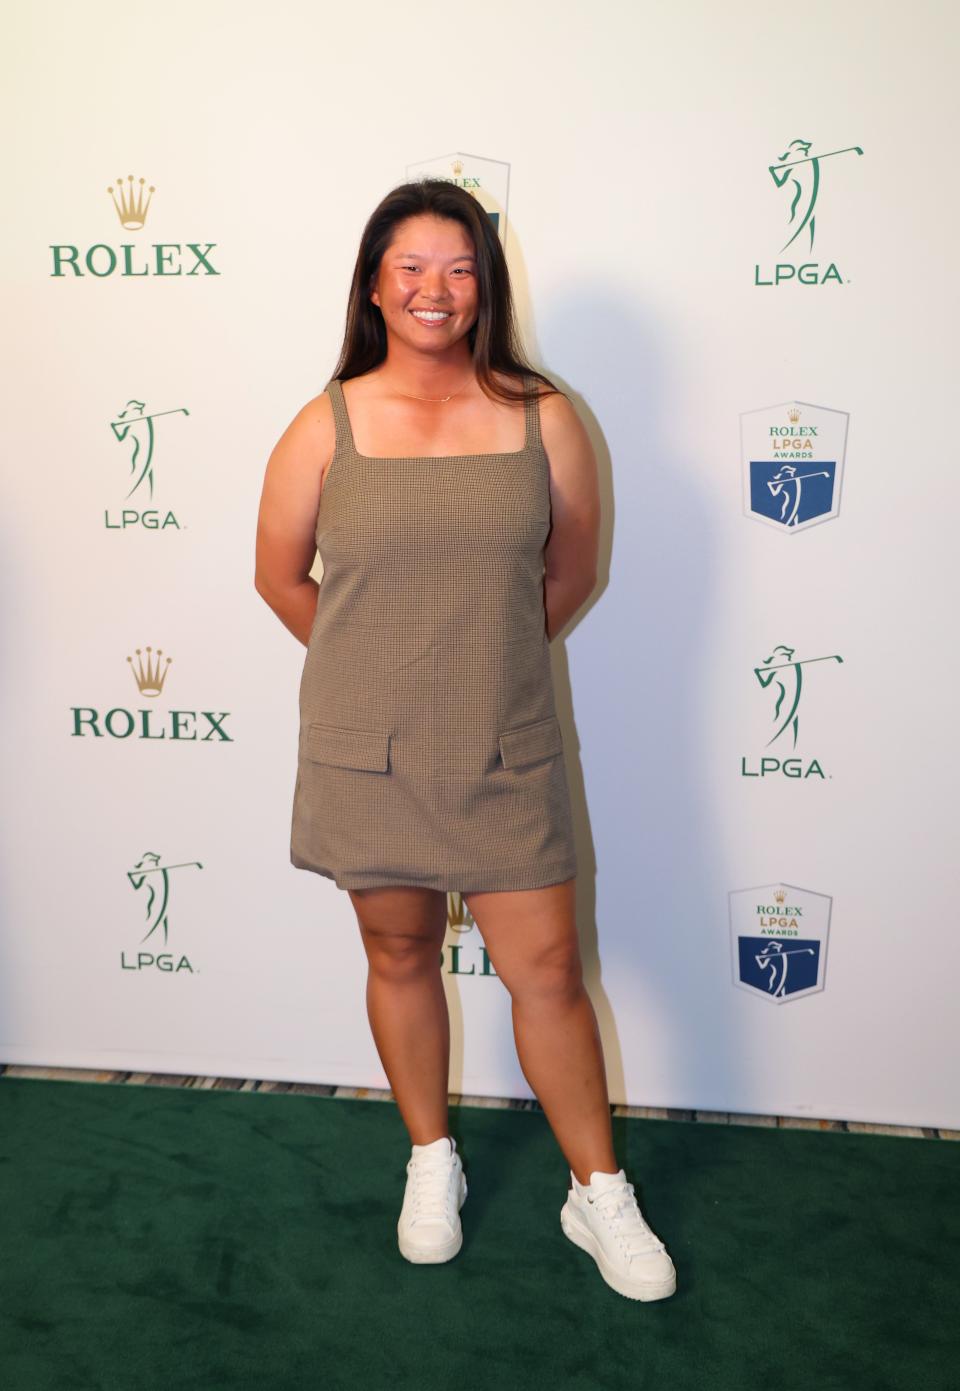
x: 430, y: 752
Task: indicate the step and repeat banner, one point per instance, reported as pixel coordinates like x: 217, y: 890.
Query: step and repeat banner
x: 731, y: 243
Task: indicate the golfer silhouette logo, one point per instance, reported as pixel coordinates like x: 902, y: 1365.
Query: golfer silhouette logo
x: 779, y: 969
x: 148, y: 873
x: 785, y: 678
x: 787, y: 485
x: 799, y: 173
x: 775, y: 959
x: 131, y: 424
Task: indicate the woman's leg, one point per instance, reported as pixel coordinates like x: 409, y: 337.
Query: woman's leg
x: 531, y: 938
x: 402, y: 931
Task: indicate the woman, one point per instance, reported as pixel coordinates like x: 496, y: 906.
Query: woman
x: 452, y: 493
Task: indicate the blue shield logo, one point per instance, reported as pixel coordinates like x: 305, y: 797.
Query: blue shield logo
x: 779, y: 968
x: 792, y: 464
x: 778, y: 941
x: 791, y: 494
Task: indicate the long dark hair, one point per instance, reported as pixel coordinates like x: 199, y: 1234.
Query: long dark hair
x: 494, y: 339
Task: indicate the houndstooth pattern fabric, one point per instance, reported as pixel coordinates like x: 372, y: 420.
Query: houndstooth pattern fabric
x: 430, y: 752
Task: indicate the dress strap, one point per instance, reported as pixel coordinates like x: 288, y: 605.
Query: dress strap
x: 532, y: 417
x: 340, y: 416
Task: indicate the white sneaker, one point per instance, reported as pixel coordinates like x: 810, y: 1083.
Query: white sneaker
x: 429, y: 1228
x: 602, y: 1218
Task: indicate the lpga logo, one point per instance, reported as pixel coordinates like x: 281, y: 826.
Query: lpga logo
x: 791, y: 458
x: 778, y: 940
x: 134, y: 427
x: 153, y: 879
x: 782, y: 675
x: 797, y: 173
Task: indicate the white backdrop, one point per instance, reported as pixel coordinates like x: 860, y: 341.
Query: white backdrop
x: 151, y: 918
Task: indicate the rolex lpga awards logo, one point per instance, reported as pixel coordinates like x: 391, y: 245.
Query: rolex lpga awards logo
x: 488, y: 180
x: 151, y: 878
x: 778, y: 941
x: 135, y: 431
x: 792, y: 463
x: 149, y: 670
x: 781, y: 677
x: 797, y: 174
x: 132, y: 200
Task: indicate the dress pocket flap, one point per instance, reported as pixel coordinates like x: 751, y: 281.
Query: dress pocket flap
x: 533, y: 742
x: 347, y: 748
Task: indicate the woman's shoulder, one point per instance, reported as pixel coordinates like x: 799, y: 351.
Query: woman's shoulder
x: 528, y: 381
x: 555, y: 407
x: 318, y: 411
x: 363, y: 387
x: 312, y: 429
x: 562, y: 428
x: 559, y: 421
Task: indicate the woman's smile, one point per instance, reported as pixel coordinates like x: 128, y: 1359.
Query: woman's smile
x: 431, y: 317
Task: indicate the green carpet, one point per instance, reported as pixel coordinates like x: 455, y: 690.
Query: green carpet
x: 162, y: 1239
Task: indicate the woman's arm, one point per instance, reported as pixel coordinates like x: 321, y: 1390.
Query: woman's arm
x: 286, y: 525
x: 570, y: 555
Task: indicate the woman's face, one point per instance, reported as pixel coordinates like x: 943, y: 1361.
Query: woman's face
x: 426, y: 287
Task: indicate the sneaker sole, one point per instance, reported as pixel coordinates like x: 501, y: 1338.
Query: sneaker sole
x: 581, y: 1236
x: 435, y: 1255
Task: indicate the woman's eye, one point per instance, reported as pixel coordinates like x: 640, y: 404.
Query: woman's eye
x: 409, y: 267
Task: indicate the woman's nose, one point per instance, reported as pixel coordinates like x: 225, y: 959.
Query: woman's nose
x: 435, y: 285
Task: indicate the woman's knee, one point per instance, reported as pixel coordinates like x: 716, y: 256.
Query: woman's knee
x: 402, y: 930
x: 555, y: 974
x: 401, y: 956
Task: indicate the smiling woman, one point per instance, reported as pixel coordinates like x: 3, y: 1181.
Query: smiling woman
x: 432, y: 249
x: 437, y: 285
x: 452, y: 493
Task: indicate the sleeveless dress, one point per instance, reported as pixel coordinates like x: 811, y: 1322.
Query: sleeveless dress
x: 430, y: 753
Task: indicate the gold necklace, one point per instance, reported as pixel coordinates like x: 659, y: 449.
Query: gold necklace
x: 435, y: 400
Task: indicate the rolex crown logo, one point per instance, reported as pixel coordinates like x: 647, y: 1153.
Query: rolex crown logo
x: 148, y: 674
x: 793, y: 415
x: 131, y: 204
x: 780, y: 896
x: 457, y: 167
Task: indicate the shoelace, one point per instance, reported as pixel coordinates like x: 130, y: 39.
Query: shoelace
x: 430, y: 1188
x: 619, y: 1207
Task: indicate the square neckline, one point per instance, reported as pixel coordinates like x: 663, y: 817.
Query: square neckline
x: 434, y: 458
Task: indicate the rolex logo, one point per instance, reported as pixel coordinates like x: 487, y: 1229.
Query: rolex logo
x: 793, y: 415
x: 780, y: 897
x: 149, y: 674
x: 131, y: 204
x: 457, y: 167
x: 150, y: 669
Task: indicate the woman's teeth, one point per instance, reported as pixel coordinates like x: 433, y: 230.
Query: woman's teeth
x: 430, y: 316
